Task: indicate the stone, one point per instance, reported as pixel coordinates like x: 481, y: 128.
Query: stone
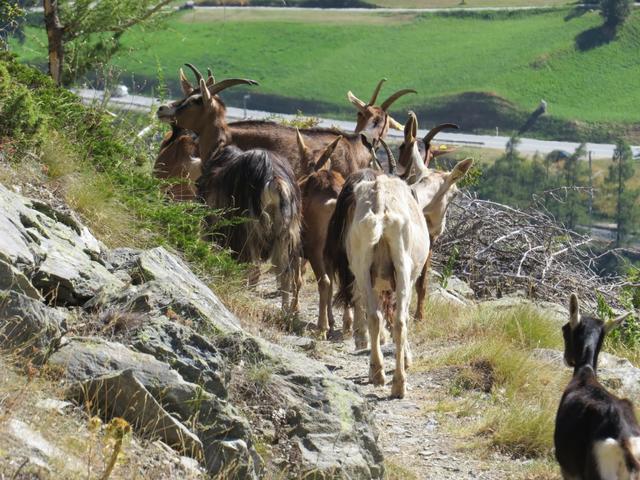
x: 28, y: 326
x: 13, y: 279
x: 86, y: 359
x: 121, y: 394
x: 59, y: 255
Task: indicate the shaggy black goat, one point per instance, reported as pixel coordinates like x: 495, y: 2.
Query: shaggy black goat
x: 597, y: 436
x: 260, y: 188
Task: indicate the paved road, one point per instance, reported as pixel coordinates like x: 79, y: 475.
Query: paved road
x: 527, y: 145
x: 396, y: 10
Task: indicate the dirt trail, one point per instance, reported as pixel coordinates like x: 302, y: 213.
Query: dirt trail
x: 416, y: 440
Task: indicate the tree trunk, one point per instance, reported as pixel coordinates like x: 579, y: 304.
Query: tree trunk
x: 55, y: 31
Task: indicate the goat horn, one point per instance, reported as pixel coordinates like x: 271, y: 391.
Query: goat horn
x: 411, y: 128
x: 389, y: 101
x: 436, y: 130
x: 356, y: 102
x: 195, y: 71
x: 374, y: 97
x: 326, y: 155
x: 393, y: 165
x: 393, y: 123
x: 230, y: 82
x: 611, y: 324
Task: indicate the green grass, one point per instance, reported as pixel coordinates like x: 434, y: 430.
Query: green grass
x: 504, y: 62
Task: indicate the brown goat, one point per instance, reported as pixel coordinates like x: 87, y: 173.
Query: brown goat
x: 319, y: 189
x: 354, y: 153
x: 256, y: 185
x: 178, y: 159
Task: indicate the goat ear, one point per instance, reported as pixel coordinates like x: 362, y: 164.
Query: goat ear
x: 326, y: 155
x: 574, y: 311
x: 185, y: 85
x: 612, y: 324
x: 356, y: 102
x: 211, y: 80
x: 410, y: 129
x: 461, y: 169
x: 301, y: 146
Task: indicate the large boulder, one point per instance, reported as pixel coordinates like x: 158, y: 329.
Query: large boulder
x: 52, y: 249
x: 92, y: 364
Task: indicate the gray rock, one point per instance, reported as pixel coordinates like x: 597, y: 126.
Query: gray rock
x: 328, y: 421
x: 553, y: 311
x: 13, y: 279
x: 615, y: 373
x: 53, y: 249
x: 121, y: 395
x: 85, y: 359
x: 193, y: 356
x: 164, y: 286
x: 40, y: 451
x: 28, y: 326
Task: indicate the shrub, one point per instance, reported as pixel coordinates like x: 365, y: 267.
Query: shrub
x: 615, y: 12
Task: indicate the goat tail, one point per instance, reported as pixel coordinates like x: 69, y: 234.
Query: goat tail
x: 633, y: 465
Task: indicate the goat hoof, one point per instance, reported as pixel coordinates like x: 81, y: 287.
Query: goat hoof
x: 361, y: 344
x: 376, y: 376
x: 397, y: 390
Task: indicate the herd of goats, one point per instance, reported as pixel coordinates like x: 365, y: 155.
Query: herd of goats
x: 321, y: 195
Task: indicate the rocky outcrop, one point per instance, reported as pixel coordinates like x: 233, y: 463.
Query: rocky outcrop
x: 177, y: 363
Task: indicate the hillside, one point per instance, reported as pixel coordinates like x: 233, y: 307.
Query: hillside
x: 517, y: 59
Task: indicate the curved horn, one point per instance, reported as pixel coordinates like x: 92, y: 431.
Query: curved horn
x: 185, y: 85
x: 211, y: 80
x: 436, y: 130
x: 195, y: 71
x: 230, y: 82
x: 326, y: 155
x: 374, y: 97
x: 411, y: 128
x: 392, y: 159
x: 389, y: 101
x: 393, y: 123
x: 356, y: 102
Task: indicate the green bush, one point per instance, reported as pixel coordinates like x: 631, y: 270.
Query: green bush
x: 615, y: 12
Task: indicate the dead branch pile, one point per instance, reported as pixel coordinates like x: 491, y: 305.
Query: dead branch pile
x: 500, y: 250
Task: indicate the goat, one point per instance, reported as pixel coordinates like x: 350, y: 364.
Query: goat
x: 378, y: 242
x: 596, y: 436
x: 319, y: 189
x: 256, y: 184
x: 177, y: 159
x: 354, y: 153
x: 443, y: 182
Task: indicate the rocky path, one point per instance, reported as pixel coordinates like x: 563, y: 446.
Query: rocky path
x: 417, y: 441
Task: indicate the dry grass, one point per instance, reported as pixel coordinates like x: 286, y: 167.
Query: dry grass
x: 509, y: 396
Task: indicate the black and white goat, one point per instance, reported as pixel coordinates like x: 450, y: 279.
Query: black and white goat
x: 597, y: 436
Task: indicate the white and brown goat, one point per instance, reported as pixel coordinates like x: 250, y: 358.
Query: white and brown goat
x: 378, y: 243
x: 441, y: 192
x: 256, y: 185
x: 597, y: 436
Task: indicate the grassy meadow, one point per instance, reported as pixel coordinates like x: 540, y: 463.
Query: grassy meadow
x: 487, y: 69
